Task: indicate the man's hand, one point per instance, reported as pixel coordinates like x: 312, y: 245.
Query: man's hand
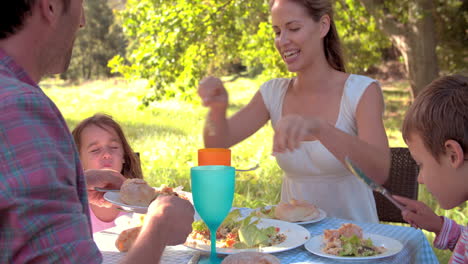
x: 108, y: 179
x: 174, y: 215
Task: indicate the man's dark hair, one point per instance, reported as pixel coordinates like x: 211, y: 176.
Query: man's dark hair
x: 13, y: 14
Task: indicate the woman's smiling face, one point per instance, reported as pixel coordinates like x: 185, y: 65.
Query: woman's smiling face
x: 299, y: 39
x: 101, y: 148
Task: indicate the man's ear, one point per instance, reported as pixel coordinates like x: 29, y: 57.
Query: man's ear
x: 455, y: 153
x: 50, y: 9
x: 324, y: 25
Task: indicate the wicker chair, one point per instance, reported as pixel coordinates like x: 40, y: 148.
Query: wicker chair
x: 402, y: 181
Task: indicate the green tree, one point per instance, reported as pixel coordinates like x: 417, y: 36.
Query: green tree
x: 419, y: 28
x: 452, y: 35
x: 100, y: 40
x: 175, y: 43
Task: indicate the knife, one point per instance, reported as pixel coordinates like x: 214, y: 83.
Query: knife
x: 372, y: 184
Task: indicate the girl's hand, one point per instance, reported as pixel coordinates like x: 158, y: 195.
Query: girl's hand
x: 212, y: 92
x: 291, y: 130
x: 419, y: 215
x: 109, y: 179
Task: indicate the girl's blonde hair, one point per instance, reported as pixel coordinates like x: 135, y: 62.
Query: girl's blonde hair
x: 131, y: 167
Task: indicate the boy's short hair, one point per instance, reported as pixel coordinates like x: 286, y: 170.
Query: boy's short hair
x: 440, y: 113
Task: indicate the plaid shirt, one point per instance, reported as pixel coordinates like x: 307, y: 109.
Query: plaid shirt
x: 454, y: 237
x: 44, y: 214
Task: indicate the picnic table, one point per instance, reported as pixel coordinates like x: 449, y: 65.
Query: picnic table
x: 416, y: 248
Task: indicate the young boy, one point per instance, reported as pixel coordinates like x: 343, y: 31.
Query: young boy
x: 436, y: 132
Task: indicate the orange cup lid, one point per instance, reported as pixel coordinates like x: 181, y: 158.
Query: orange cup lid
x: 214, y: 156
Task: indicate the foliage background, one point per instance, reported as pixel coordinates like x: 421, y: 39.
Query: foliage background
x: 179, y: 42
x: 99, y: 41
x: 175, y: 43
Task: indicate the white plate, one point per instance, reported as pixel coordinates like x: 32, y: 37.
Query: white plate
x: 320, y: 217
x: 393, y: 246
x: 126, y: 220
x: 114, y: 197
x: 296, y: 236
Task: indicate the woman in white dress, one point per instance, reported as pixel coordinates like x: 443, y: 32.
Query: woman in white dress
x: 319, y: 117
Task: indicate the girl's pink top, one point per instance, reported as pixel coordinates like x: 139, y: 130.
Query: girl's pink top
x: 98, y: 225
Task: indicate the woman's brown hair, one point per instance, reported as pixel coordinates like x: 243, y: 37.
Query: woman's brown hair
x: 440, y: 113
x: 331, y: 43
x: 131, y: 167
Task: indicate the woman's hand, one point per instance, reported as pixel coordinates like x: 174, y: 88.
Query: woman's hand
x: 419, y: 215
x: 291, y: 130
x: 212, y: 92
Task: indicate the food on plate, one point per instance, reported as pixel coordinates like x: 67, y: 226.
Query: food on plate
x: 265, y: 212
x: 296, y: 211
x: 236, y: 232
x: 137, y: 192
x: 348, y: 241
x: 251, y: 258
x: 166, y: 190
x: 127, y: 238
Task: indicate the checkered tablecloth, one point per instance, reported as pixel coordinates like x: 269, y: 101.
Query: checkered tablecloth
x: 416, y: 248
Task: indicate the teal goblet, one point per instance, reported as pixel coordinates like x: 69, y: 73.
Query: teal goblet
x: 212, y: 192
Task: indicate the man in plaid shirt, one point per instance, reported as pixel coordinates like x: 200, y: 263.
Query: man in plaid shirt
x: 44, y: 216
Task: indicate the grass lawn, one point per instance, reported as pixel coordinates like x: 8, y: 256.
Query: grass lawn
x: 167, y: 135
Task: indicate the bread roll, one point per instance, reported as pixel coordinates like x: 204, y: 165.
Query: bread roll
x: 296, y: 211
x: 127, y: 238
x: 137, y: 192
x: 251, y: 258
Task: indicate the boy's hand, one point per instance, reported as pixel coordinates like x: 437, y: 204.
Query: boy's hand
x: 419, y: 215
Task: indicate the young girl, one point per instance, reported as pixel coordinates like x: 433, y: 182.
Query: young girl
x: 102, y: 144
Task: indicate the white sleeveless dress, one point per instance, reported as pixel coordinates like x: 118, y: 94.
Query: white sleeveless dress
x: 311, y: 172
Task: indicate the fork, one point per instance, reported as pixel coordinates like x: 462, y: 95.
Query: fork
x: 106, y: 190
x: 250, y: 169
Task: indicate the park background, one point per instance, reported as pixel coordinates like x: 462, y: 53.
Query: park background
x: 140, y: 61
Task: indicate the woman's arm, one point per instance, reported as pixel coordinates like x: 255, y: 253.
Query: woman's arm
x: 369, y: 150
x: 225, y: 132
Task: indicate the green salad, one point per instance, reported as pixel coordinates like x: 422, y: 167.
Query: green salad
x: 356, y: 247
x: 238, y: 232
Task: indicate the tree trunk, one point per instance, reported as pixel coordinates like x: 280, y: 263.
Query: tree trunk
x: 415, y: 40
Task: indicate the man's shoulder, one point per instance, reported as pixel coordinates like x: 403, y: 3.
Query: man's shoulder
x: 11, y: 86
